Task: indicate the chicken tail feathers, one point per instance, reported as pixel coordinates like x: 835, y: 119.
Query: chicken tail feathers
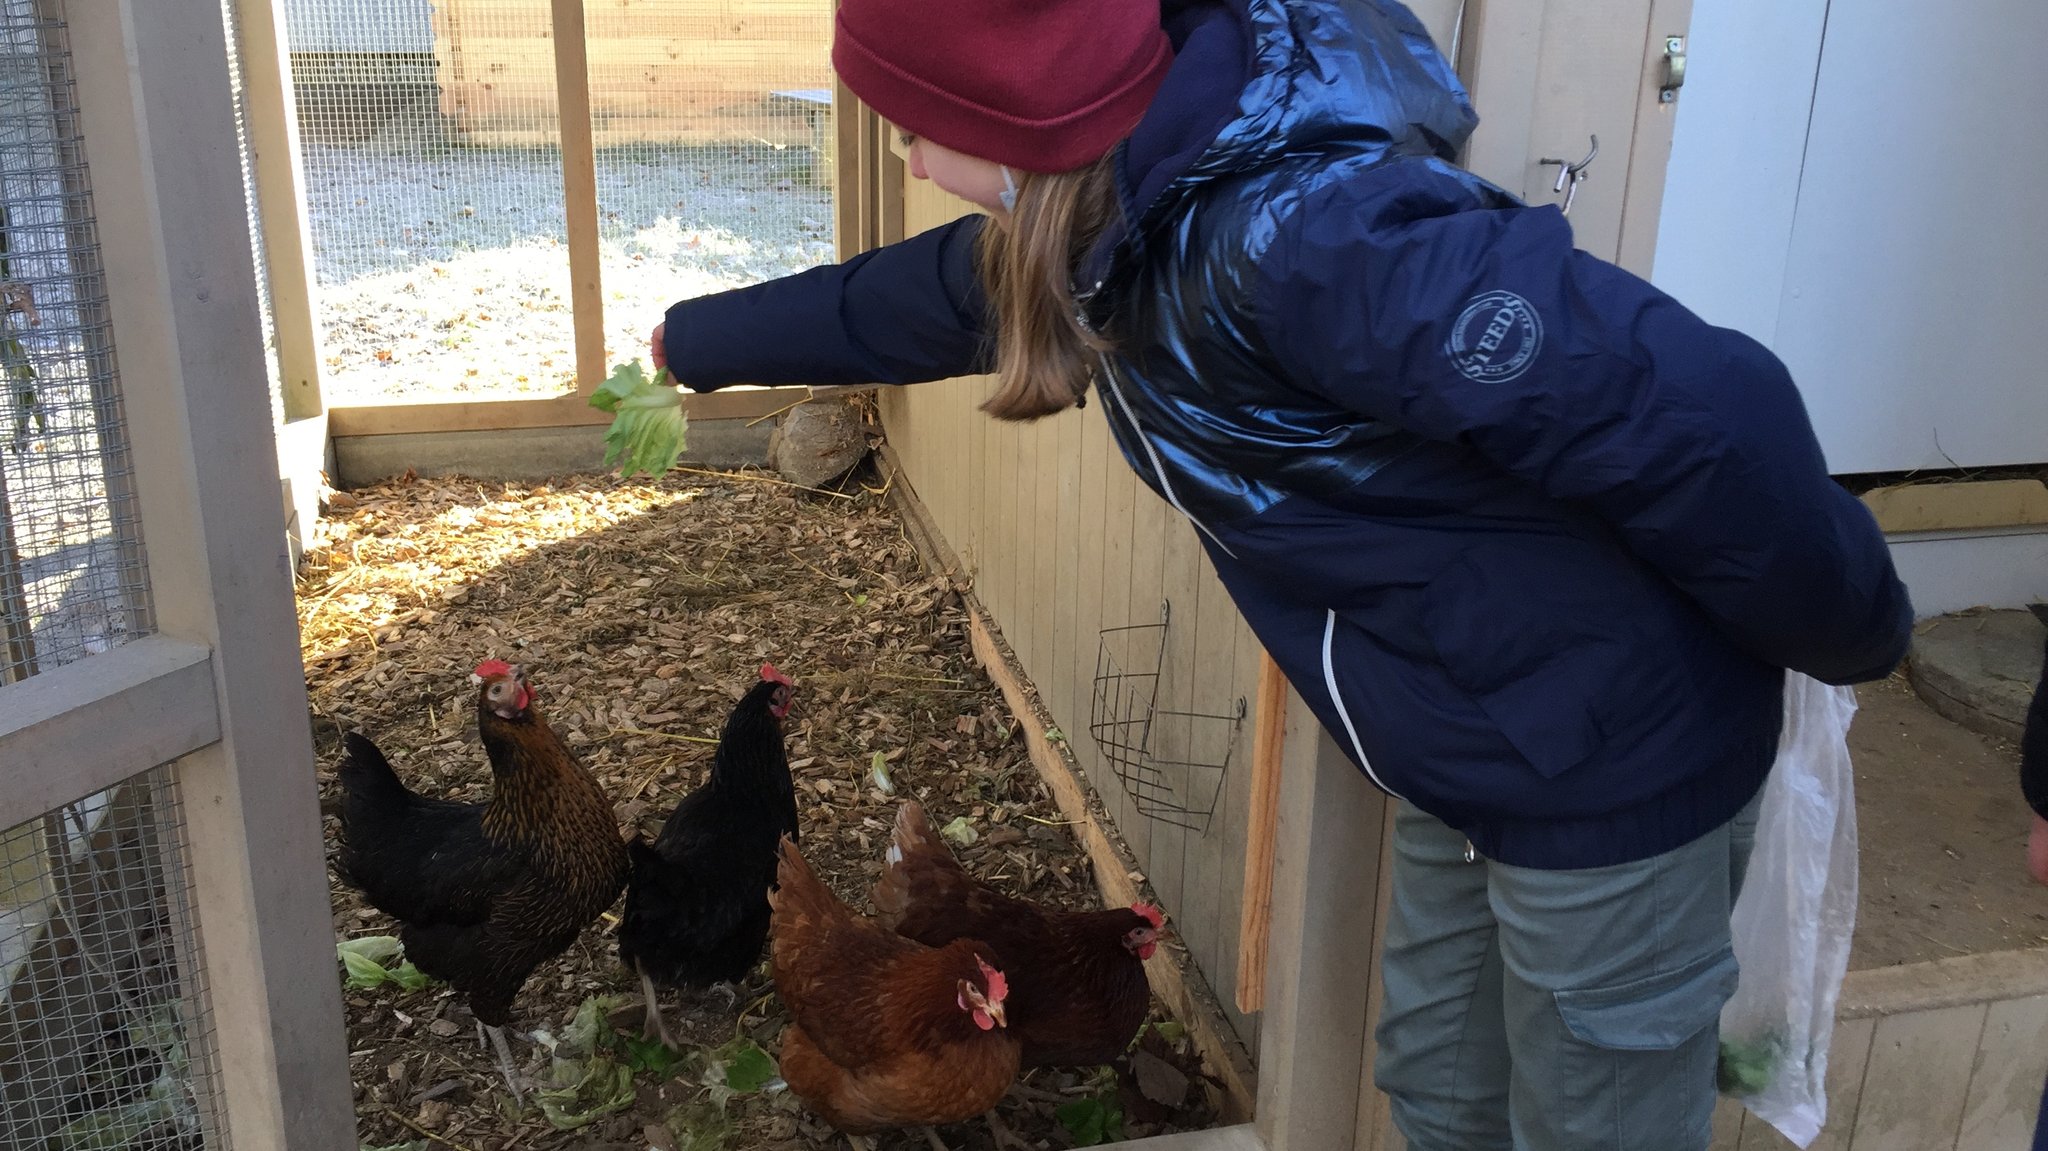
x: 798, y: 894
x: 916, y: 855
x: 365, y: 773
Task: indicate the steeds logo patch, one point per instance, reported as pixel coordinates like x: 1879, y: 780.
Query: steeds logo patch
x: 1496, y: 338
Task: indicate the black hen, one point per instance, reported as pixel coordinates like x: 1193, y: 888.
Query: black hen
x: 697, y: 902
x: 485, y: 892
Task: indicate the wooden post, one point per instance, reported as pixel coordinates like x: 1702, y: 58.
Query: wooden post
x: 1269, y: 737
x: 273, y: 128
x: 888, y: 178
x: 848, y: 237
x: 1312, y: 1033
x: 579, y: 193
x: 156, y: 104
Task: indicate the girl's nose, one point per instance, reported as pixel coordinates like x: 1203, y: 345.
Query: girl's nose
x: 916, y: 164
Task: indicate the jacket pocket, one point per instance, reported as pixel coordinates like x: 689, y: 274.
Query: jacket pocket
x: 1521, y: 628
x: 1657, y: 1013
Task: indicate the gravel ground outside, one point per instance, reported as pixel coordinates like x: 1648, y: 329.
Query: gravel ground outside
x: 444, y: 271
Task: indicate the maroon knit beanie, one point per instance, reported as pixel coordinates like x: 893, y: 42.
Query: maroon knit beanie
x: 1038, y: 85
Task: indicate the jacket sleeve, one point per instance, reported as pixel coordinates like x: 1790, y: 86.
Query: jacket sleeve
x: 910, y: 312
x: 1485, y: 327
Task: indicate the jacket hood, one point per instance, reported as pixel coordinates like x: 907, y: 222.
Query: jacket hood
x: 1256, y: 80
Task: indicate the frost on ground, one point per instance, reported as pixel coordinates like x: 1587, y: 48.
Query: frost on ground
x: 444, y: 271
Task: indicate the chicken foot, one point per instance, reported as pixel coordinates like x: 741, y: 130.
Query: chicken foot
x: 1004, y: 1137
x: 1030, y: 1094
x: 731, y: 991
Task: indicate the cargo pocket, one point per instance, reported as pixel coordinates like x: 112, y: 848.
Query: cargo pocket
x: 1657, y: 1013
x: 1634, y: 1067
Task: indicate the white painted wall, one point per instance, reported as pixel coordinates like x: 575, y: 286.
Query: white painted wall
x: 1862, y: 186
x: 1954, y: 571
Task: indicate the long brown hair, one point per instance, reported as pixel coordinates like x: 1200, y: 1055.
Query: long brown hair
x: 1044, y: 357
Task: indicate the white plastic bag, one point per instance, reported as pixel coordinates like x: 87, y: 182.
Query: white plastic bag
x: 1794, y: 919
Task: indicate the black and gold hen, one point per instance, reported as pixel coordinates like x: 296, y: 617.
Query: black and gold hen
x: 485, y: 892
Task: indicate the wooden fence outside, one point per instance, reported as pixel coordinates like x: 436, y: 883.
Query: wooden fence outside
x: 713, y: 71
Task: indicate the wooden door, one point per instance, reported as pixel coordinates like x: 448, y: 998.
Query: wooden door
x: 1548, y: 76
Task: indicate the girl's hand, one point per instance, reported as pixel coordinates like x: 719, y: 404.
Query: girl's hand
x: 2037, y: 850
x: 660, y: 346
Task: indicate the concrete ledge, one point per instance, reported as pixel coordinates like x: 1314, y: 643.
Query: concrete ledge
x: 1979, y: 668
x: 1991, y: 977
x: 530, y: 453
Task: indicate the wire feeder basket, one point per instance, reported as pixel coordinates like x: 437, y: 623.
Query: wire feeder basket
x: 1152, y: 749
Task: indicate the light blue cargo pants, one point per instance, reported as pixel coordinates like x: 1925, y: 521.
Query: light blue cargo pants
x: 1556, y: 1010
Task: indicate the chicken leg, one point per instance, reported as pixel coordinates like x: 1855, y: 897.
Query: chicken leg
x: 931, y: 1136
x: 505, y: 1065
x: 655, y: 1025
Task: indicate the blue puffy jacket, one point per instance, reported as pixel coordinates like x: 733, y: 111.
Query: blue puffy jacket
x: 1533, y: 540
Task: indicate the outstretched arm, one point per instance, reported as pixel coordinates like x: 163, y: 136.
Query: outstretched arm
x: 906, y: 313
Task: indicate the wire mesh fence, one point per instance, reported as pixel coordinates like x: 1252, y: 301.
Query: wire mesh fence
x: 435, y: 177
x: 714, y: 165
x: 72, y: 577
x: 105, y: 1040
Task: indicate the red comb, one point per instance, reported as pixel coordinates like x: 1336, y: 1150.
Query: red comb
x: 769, y: 673
x: 998, y: 983
x: 493, y: 668
x: 1152, y: 915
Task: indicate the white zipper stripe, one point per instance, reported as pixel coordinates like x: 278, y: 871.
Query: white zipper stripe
x: 1344, y: 713
x: 1158, y: 469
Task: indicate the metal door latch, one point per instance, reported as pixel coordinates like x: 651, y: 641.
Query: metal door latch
x: 1674, y: 69
x: 1569, y: 175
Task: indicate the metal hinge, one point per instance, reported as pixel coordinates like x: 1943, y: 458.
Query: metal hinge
x: 1674, y: 69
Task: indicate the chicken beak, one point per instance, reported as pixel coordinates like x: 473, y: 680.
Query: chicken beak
x: 995, y: 1012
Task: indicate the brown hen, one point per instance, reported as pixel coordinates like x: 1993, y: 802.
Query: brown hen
x: 1078, y: 992
x: 884, y: 1032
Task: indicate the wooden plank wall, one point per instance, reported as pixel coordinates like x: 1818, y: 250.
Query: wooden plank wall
x: 659, y: 72
x: 1062, y: 541
x: 1965, y: 1077
x: 1942, y: 1056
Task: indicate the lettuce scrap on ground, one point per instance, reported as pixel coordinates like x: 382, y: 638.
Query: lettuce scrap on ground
x: 585, y: 1083
x: 367, y: 960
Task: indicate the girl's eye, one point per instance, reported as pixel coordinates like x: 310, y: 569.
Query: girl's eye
x: 900, y: 142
